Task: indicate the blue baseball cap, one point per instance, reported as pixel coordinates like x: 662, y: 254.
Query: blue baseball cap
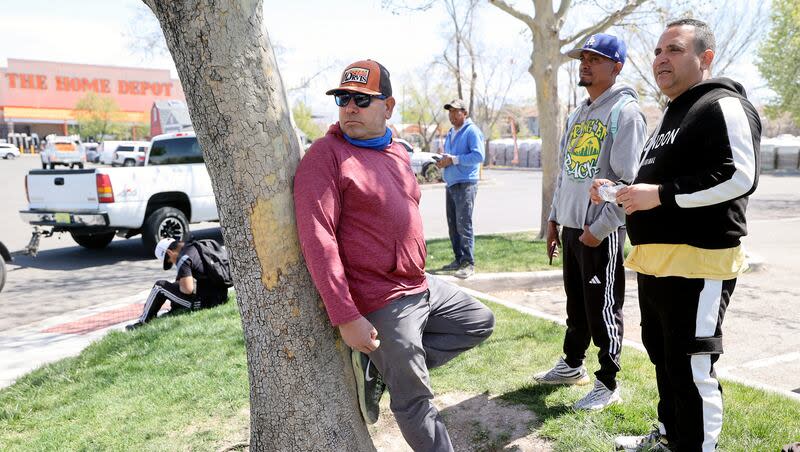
x: 608, y: 46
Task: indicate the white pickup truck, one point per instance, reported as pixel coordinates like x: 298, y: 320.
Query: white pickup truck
x: 157, y: 200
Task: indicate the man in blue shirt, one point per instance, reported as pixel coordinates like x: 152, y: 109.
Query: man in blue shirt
x: 464, y: 153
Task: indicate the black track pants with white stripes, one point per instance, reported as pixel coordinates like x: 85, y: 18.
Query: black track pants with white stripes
x: 594, y: 280
x: 163, y: 291
x: 682, y: 332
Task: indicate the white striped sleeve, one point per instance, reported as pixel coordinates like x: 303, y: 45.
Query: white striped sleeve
x: 744, y: 160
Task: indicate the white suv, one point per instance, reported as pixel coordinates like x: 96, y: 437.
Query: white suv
x: 130, y: 154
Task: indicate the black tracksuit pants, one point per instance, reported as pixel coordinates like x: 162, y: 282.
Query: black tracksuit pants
x: 594, y: 280
x: 682, y: 332
x: 163, y: 291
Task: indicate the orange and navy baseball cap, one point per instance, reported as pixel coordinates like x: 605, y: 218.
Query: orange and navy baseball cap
x: 367, y: 77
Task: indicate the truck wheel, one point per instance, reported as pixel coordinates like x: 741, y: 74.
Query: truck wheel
x: 129, y: 162
x: 94, y: 241
x: 2, y: 273
x: 164, y: 223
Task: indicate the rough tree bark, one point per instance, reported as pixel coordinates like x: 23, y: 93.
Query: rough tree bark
x: 546, y: 58
x: 302, y: 393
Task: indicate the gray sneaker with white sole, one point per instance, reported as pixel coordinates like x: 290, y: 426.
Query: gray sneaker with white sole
x: 562, y: 374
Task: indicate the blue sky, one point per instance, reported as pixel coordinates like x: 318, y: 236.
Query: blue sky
x: 312, y: 35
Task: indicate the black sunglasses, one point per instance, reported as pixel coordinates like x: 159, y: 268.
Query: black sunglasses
x: 362, y: 100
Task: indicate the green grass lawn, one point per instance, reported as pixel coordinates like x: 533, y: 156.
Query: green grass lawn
x: 181, y: 384
x: 514, y: 252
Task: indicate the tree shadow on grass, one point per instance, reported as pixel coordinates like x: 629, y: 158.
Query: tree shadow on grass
x: 535, y: 398
x: 475, y: 422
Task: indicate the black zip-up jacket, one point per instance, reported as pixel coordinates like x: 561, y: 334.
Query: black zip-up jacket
x: 705, y: 157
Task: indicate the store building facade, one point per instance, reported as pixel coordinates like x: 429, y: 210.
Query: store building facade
x: 39, y: 97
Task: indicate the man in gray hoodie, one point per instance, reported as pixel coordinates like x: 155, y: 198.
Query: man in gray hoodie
x: 602, y: 139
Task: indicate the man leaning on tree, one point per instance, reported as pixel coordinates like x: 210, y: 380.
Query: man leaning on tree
x: 357, y: 207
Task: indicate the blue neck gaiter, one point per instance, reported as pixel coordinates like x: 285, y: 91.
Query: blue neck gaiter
x: 377, y: 143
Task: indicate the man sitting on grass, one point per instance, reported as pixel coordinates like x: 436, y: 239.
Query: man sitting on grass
x: 198, y: 284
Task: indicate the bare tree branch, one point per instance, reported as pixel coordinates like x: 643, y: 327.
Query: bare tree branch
x: 610, y: 20
x: 527, y: 19
x: 563, y: 8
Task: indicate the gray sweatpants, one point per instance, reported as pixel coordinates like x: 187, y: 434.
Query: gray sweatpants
x: 419, y: 332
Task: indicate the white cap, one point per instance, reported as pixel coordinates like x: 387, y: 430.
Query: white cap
x: 161, y: 252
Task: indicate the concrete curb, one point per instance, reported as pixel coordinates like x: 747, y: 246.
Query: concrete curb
x: 487, y: 282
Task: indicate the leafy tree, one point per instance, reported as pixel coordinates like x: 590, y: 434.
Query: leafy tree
x: 779, y: 58
x: 305, y: 121
x: 95, y: 116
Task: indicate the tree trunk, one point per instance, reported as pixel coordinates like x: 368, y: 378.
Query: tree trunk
x: 545, y: 61
x: 302, y: 393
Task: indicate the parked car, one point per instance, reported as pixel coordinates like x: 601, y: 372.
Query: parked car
x: 158, y: 200
x: 92, y: 152
x: 423, y: 163
x: 67, y: 151
x: 108, y: 147
x: 8, y: 151
x: 5, y: 256
x: 130, y: 154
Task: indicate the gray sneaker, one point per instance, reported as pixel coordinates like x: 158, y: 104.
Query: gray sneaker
x: 562, y: 374
x: 598, y: 398
x: 653, y: 441
x: 452, y: 266
x: 465, y: 271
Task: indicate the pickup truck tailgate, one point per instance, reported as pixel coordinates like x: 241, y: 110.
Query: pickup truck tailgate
x: 67, y: 190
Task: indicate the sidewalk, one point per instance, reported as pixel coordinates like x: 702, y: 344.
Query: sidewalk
x: 28, y: 347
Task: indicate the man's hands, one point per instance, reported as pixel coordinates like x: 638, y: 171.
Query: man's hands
x: 588, y: 239
x: 638, y: 197
x: 445, y: 161
x: 594, y: 194
x: 632, y: 198
x: 360, y: 335
x: 553, y: 242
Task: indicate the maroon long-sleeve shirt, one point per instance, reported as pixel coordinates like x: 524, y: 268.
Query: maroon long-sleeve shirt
x: 359, y: 225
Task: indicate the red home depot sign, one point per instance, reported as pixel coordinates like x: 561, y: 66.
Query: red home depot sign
x: 50, y: 85
x: 83, y: 84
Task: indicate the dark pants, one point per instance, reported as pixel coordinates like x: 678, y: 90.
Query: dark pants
x: 682, y: 332
x: 459, y: 202
x: 163, y: 291
x: 594, y: 281
x: 419, y: 332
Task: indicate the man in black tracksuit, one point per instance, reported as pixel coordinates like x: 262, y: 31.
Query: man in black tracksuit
x: 685, y: 216
x: 192, y: 289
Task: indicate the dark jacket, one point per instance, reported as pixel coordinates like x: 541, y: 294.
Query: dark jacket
x: 705, y: 157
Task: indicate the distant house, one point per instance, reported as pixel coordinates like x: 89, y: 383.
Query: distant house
x: 168, y: 116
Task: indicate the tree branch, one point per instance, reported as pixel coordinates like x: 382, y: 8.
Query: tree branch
x: 525, y: 18
x: 611, y: 19
x: 562, y: 8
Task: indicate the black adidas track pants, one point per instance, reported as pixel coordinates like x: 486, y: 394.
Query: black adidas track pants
x: 163, y: 291
x: 594, y: 281
x: 682, y: 332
